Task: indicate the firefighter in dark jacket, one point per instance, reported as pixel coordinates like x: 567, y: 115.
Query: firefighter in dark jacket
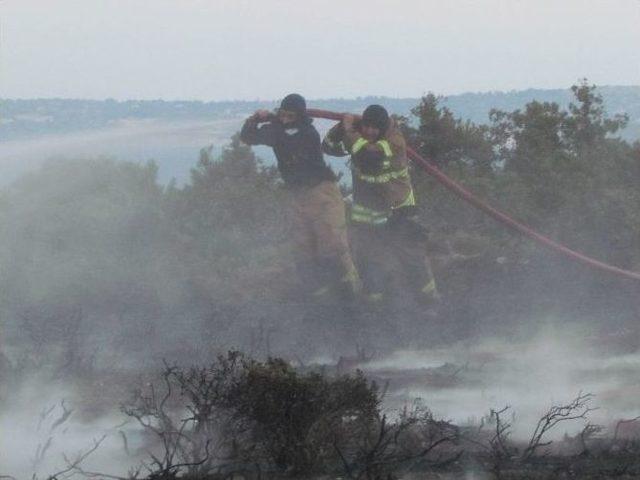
x: 319, y: 233
x: 389, y: 246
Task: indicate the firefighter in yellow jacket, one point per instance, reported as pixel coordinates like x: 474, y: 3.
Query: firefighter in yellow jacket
x: 389, y: 247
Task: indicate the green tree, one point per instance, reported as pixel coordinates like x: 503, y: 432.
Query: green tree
x: 442, y: 138
x: 530, y: 148
x: 587, y: 125
x: 562, y: 171
x: 231, y: 219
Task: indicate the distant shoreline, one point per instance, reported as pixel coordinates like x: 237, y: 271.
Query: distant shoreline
x: 32, y: 118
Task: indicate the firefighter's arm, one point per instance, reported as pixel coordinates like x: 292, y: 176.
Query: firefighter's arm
x: 253, y: 133
x: 396, y: 141
x: 370, y: 159
x: 333, y: 141
x: 353, y: 139
x: 352, y: 135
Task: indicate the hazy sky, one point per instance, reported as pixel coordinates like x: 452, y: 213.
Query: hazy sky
x: 250, y: 49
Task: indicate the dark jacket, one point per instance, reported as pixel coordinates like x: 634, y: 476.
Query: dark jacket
x: 297, y: 150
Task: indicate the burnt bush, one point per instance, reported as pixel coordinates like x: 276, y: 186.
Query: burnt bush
x: 295, y: 417
x: 242, y: 415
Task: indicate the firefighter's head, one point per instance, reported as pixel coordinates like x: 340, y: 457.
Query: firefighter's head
x: 375, y: 122
x: 292, y: 109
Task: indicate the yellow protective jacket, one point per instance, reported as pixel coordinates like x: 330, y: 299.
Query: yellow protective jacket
x: 380, y: 172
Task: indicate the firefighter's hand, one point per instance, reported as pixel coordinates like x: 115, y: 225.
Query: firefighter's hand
x: 347, y: 121
x: 262, y: 115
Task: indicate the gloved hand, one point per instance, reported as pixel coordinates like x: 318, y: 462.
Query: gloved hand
x: 262, y: 116
x: 347, y: 121
x: 369, y: 160
x: 336, y: 134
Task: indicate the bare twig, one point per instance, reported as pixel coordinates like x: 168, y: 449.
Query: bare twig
x: 577, y: 408
x: 400, y: 444
x: 66, y: 413
x: 43, y: 415
x: 589, y: 431
x: 502, y: 431
x: 125, y: 442
x: 41, y: 451
x: 73, y: 465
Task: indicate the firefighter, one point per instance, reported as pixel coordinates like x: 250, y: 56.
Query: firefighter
x: 319, y: 233
x: 389, y: 247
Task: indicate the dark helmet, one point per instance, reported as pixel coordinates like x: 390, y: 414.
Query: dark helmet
x: 376, y: 116
x: 294, y: 103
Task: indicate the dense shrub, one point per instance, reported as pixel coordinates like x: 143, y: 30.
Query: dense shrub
x: 564, y: 172
x: 248, y: 415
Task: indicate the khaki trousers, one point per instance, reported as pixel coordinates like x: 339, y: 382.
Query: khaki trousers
x: 319, y: 237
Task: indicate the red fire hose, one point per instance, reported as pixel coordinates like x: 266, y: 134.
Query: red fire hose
x: 469, y: 197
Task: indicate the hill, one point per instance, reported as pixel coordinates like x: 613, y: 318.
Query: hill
x: 172, y: 132
x: 28, y: 118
